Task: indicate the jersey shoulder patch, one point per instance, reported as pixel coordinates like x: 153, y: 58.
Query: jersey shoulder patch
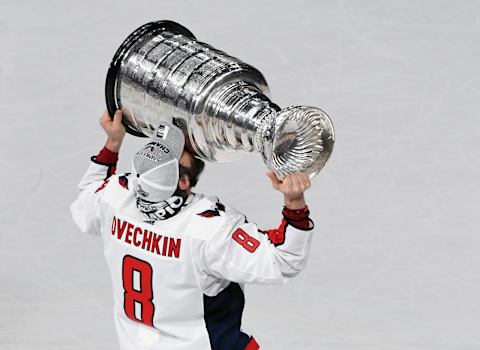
x: 123, y: 180
x: 119, y: 187
x: 216, y: 210
x: 206, y: 217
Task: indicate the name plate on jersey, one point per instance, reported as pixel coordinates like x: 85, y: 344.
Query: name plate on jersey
x: 143, y: 238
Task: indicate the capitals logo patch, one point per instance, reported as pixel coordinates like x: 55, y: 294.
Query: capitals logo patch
x: 215, y: 211
x: 123, y: 181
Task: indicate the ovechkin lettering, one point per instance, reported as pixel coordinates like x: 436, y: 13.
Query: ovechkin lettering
x: 146, y: 239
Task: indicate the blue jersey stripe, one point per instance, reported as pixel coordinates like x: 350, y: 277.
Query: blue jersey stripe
x: 223, y: 318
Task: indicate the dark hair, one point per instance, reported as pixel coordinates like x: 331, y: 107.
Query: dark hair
x: 194, y: 171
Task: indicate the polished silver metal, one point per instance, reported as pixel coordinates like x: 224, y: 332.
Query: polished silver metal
x: 162, y: 72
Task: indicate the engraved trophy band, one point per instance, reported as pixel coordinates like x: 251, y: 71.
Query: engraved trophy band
x: 161, y: 72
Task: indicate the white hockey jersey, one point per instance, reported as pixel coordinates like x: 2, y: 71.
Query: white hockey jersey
x: 178, y: 283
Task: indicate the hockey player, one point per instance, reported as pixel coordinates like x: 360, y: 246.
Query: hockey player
x: 178, y: 260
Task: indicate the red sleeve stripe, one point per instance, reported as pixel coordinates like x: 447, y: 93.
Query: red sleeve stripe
x: 276, y: 235
x: 296, y: 214
x: 297, y: 217
x: 107, y: 157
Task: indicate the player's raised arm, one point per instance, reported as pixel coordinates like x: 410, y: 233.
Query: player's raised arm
x: 85, y: 208
x: 245, y: 254
x: 105, y: 162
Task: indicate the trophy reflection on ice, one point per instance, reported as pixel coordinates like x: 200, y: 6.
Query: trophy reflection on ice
x: 161, y: 72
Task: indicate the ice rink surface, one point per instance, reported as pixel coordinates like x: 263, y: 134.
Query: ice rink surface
x: 395, y: 263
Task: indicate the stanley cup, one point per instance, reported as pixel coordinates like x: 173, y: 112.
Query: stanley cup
x: 161, y: 72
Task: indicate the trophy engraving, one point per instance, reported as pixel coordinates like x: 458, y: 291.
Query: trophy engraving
x: 161, y: 72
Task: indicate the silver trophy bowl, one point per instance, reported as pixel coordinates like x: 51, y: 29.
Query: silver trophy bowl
x: 161, y: 72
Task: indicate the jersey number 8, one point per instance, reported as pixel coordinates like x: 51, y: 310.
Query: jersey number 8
x: 138, y: 295
x: 245, y: 240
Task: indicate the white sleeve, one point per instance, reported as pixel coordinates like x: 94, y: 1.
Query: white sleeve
x: 241, y: 253
x: 86, y: 209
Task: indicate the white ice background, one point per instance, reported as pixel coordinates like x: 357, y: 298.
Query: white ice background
x: 395, y: 262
